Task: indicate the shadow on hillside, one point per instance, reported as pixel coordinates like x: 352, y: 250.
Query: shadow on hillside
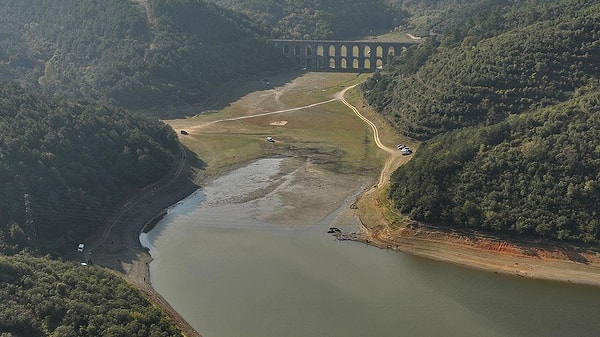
x: 194, y: 161
x: 227, y: 93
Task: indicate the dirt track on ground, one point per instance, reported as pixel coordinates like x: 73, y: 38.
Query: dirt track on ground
x: 539, y: 260
x: 118, y: 247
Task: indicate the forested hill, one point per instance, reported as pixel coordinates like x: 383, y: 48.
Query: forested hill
x: 446, y: 84
x: 117, y: 51
x: 532, y: 174
x: 76, y: 161
x: 319, y: 19
x: 510, y: 120
x: 44, y: 297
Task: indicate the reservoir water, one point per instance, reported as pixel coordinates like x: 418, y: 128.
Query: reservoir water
x: 230, y: 273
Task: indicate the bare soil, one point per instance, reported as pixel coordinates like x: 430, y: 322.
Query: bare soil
x: 321, y: 191
x: 539, y: 259
x: 118, y: 246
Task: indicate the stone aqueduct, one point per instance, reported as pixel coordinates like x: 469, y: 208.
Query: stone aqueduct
x: 343, y: 56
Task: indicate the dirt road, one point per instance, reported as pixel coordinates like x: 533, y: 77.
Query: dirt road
x: 118, y: 247
x: 540, y: 260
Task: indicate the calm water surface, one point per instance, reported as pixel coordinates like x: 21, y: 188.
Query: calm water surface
x: 230, y: 274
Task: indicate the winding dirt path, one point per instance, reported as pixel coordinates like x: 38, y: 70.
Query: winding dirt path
x: 130, y: 205
x: 261, y: 114
x: 119, y: 249
x: 539, y: 260
x: 392, y: 162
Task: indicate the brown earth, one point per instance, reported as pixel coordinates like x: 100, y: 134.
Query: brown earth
x: 118, y: 248
x: 316, y: 192
x: 539, y: 259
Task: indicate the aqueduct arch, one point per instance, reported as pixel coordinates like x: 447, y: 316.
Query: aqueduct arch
x: 350, y: 56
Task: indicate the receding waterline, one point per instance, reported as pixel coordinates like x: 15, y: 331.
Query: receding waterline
x: 231, y: 274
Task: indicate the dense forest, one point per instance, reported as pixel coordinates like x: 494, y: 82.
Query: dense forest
x: 120, y: 52
x: 44, y: 297
x: 64, y: 166
x: 447, y: 17
x: 532, y: 174
x: 75, y: 161
x: 484, y: 81
x: 508, y: 109
x: 319, y: 19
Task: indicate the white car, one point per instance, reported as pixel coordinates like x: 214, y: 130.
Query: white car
x: 270, y: 139
x: 405, y: 151
x: 80, y: 247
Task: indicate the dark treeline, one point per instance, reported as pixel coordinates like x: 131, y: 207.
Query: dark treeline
x: 64, y: 167
x: 112, y: 51
x: 532, y: 174
x: 448, y: 17
x: 319, y: 19
x: 439, y: 87
x: 76, y: 161
x: 44, y: 297
x: 507, y: 102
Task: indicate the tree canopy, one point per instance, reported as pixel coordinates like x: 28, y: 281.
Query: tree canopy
x: 534, y: 174
x: 172, y: 52
x: 509, y: 117
x: 319, y: 19
x: 45, y: 297
x: 76, y: 161
x: 436, y: 87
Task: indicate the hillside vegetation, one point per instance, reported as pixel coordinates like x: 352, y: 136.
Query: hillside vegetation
x: 75, y: 161
x: 483, y: 82
x: 532, y: 174
x: 510, y: 120
x: 113, y: 51
x: 319, y: 19
x: 44, y: 297
x: 64, y: 167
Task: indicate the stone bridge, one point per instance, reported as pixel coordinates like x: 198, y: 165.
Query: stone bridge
x: 342, y: 56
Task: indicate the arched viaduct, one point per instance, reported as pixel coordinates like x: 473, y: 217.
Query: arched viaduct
x: 343, y: 56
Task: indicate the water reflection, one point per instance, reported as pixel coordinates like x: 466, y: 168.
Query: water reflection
x: 230, y: 274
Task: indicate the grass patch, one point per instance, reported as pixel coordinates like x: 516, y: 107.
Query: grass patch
x: 389, y: 212
x: 329, y: 134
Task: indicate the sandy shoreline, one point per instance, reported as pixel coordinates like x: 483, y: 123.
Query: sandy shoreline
x: 120, y: 250
x: 542, y: 259
x: 558, y: 264
x: 119, y: 247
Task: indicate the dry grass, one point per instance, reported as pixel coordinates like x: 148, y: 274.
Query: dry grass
x: 329, y: 133
x: 394, y: 218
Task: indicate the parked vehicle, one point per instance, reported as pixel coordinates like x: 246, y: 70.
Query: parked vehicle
x: 405, y: 151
